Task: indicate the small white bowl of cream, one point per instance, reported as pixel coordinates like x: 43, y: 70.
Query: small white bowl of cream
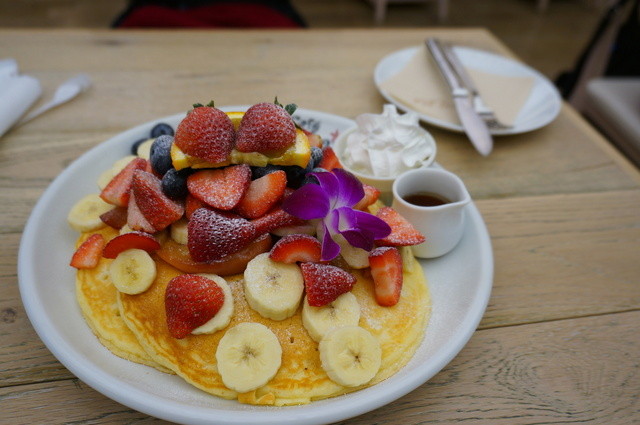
x: 383, y: 146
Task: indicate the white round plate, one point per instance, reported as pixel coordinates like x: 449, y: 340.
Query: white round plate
x: 542, y: 106
x: 460, y: 283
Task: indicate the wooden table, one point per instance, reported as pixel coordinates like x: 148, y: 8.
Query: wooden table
x: 560, y: 340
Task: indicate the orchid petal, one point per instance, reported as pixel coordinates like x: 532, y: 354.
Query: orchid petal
x: 330, y: 184
x: 350, y: 189
x: 308, y: 202
x: 360, y: 228
x: 330, y: 249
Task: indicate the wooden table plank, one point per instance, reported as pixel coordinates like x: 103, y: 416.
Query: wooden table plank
x: 554, y: 372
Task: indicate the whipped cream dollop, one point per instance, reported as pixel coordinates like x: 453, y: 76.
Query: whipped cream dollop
x: 387, y: 144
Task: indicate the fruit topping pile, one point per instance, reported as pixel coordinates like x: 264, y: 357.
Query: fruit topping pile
x: 253, y: 193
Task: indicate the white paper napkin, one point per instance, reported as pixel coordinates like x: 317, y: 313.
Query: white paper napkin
x: 17, y: 94
x: 420, y: 86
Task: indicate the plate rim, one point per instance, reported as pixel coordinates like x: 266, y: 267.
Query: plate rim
x: 174, y: 410
x: 540, y: 78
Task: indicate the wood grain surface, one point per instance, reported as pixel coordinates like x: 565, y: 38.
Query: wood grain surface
x: 560, y: 339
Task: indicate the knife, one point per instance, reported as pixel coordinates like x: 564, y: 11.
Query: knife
x: 472, y: 123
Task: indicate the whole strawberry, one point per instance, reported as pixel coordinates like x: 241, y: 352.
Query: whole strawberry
x: 207, y: 133
x: 266, y: 128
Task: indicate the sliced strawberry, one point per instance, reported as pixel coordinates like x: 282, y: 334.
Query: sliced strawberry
x: 207, y: 133
x: 191, y: 204
x: 88, y: 253
x: 329, y: 159
x: 277, y: 218
x: 116, y: 217
x: 371, y: 195
x: 213, y: 235
x: 178, y: 256
x: 293, y: 248
x: 159, y: 210
x: 402, y: 232
x: 221, y: 188
x: 386, y: 271
x: 135, y: 218
x: 266, y: 128
x: 324, y: 283
x: 314, y: 139
x: 262, y: 195
x: 116, y: 192
x: 130, y: 240
x: 191, y: 301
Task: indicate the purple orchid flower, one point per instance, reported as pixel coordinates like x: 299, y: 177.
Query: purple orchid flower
x: 331, y: 201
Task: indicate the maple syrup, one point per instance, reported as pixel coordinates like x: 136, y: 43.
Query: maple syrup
x: 426, y: 199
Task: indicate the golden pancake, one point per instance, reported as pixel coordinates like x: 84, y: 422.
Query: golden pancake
x: 300, y: 378
x: 98, y: 302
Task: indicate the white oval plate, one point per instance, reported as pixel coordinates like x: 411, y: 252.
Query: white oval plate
x: 460, y: 283
x: 542, y: 106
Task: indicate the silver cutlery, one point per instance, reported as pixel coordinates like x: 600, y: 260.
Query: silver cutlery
x: 485, y: 112
x: 473, y: 124
x: 65, y: 92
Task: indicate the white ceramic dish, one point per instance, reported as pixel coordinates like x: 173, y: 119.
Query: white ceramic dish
x: 542, y: 106
x: 460, y: 283
x: 382, y: 183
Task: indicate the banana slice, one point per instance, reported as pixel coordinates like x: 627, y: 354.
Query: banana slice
x: 109, y: 174
x: 355, y: 257
x: 223, y: 316
x: 84, y: 216
x: 248, y: 356
x: 273, y: 289
x: 133, y: 271
x: 179, y: 231
x: 350, y: 355
x: 343, y: 311
x: 144, y: 149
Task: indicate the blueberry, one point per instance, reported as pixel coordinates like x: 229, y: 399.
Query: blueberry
x: 160, y: 156
x: 161, y: 129
x: 312, y: 179
x: 174, y: 183
x: 316, y: 156
x: 136, y: 145
x: 257, y: 172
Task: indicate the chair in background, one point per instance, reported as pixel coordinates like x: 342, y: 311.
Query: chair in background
x: 605, y: 83
x: 380, y: 8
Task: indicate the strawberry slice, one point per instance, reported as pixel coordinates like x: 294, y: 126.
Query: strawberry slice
x: 266, y: 128
x: 277, y: 218
x: 314, y: 139
x: 263, y: 193
x: 402, y: 232
x: 116, y: 192
x: 371, y: 195
x: 88, y: 253
x: 214, y: 235
x: 324, y: 283
x: 116, y: 217
x: 386, y: 271
x: 191, y: 301
x: 191, y: 204
x: 207, y: 133
x: 135, y: 219
x: 329, y: 159
x: 130, y: 240
x: 221, y: 188
x: 156, y: 207
x: 293, y: 248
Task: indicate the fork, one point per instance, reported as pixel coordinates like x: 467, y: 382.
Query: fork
x: 484, y: 111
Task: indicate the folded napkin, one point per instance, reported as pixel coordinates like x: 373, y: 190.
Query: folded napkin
x: 420, y: 86
x: 17, y: 94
